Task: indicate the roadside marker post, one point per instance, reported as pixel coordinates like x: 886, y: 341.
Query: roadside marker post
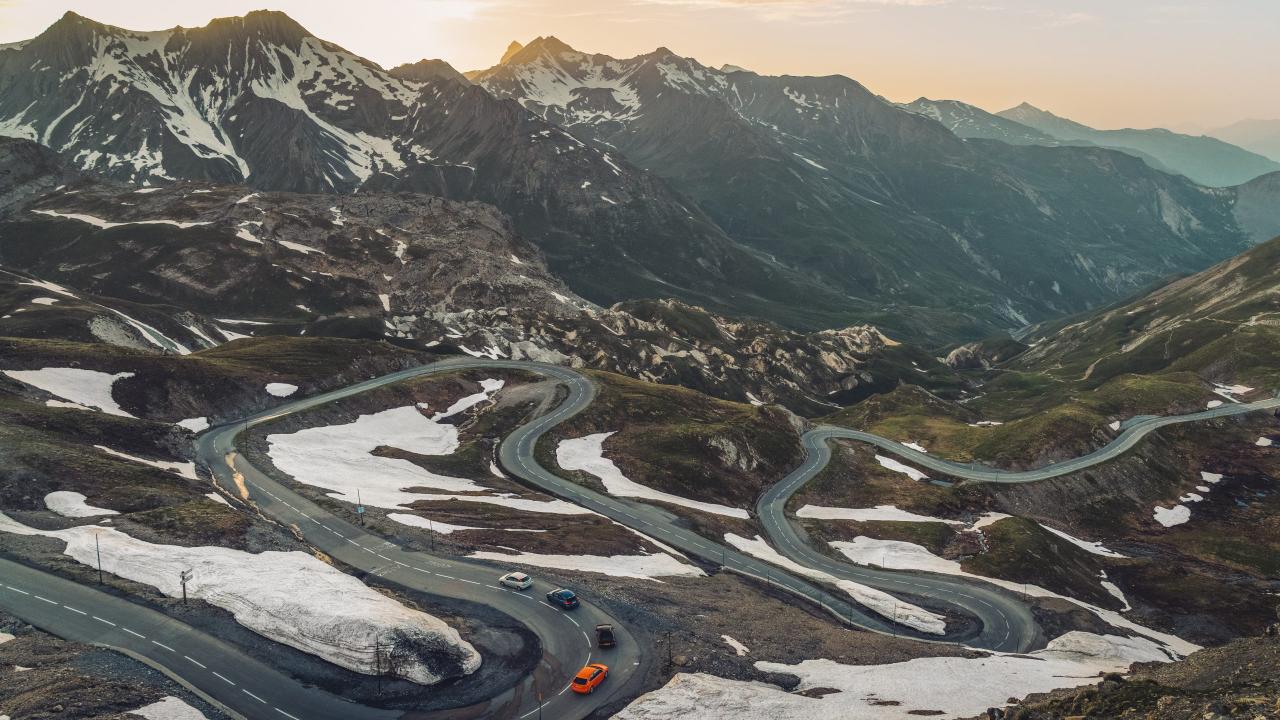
x: 98, y: 549
x: 359, y: 507
x: 185, y: 575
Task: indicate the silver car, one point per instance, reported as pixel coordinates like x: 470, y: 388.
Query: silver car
x: 516, y: 581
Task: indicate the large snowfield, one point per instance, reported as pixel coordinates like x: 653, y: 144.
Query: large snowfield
x: 955, y: 687
x: 587, y: 454
x: 340, y: 458
x: 290, y: 597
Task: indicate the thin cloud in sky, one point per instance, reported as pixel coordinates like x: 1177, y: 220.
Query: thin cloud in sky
x: 776, y: 8
x: 795, y: 9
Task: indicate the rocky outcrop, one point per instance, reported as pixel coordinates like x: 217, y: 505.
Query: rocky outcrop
x: 204, y: 263
x: 984, y: 354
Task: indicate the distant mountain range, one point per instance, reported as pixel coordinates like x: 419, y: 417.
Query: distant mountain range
x: 834, y: 181
x: 1206, y: 160
x: 805, y: 200
x: 1260, y: 136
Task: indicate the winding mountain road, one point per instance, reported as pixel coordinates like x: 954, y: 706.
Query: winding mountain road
x: 225, y: 675
x: 1013, y: 621
x: 1131, y: 435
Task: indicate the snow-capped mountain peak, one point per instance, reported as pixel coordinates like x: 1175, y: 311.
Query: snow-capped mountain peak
x: 177, y: 103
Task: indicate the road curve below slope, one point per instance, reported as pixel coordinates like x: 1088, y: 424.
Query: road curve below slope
x: 1122, y: 443
x: 1015, y: 617
x: 567, y: 642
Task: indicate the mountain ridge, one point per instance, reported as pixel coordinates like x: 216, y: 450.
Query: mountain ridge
x: 261, y: 100
x: 884, y: 203
x: 1205, y: 159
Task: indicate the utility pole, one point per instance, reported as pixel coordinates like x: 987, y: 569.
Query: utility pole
x: 185, y: 575
x: 537, y: 692
x: 98, y: 548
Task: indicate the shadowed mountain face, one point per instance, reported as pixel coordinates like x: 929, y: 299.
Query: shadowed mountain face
x: 191, y: 265
x: 968, y: 121
x: 1205, y: 160
x: 804, y: 200
x: 1219, y: 322
x: 258, y: 100
x: 880, y: 202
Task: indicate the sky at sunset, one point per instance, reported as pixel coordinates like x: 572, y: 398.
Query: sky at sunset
x: 1186, y: 64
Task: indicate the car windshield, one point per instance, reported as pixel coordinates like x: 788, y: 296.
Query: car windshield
x: 567, y: 595
x: 579, y: 681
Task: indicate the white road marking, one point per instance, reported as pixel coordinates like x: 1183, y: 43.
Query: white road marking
x: 223, y: 678
x: 197, y: 663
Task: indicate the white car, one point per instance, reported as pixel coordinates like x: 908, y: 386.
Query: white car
x: 516, y: 580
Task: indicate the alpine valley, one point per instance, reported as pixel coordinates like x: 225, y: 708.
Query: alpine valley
x: 317, y: 377
x: 869, y: 212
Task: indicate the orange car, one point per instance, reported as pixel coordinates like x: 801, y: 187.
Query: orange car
x: 589, y: 678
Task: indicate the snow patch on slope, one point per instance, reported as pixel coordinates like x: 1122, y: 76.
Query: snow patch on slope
x: 170, y: 708
x: 73, y: 505
x: 85, y: 388
x: 587, y: 454
x: 643, y: 567
x: 875, y: 600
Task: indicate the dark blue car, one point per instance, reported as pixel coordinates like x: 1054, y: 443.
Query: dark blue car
x: 562, y: 598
